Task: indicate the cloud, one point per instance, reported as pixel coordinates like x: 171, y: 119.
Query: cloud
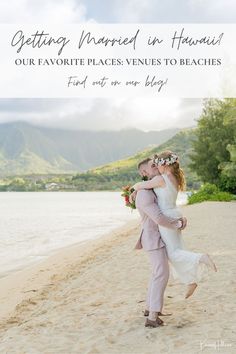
x: 124, y: 11
x: 103, y: 114
x: 45, y: 111
x: 168, y: 11
x: 43, y: 11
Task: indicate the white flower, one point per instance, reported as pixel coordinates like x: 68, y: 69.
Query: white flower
x: 166, y: 161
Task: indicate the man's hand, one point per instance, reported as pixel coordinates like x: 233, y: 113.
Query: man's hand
x: 184, y: 223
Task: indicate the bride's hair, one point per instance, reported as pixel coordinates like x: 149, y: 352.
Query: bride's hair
x: 174, y: 167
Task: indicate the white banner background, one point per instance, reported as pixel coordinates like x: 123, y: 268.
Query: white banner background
x: 51, y: 79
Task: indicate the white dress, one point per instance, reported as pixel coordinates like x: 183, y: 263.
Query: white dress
x: 185, y: 263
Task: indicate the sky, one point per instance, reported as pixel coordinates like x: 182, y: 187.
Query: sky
x: 95, y: 114
x: 103, y: 114
x: 120, y: 11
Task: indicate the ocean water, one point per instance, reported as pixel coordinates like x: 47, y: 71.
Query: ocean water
x: 34, y: 225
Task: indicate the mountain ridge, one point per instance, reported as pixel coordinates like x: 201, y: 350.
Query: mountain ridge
x: 124, y: 172
x: 27, y: 148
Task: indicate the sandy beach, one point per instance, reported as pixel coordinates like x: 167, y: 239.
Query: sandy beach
x: 89, y: 298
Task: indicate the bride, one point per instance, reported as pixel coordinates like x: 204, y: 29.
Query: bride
x: 166, y: 186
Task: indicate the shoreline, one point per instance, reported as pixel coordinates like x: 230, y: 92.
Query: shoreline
x: 36, y: 225
x: 10, y: 267
x: 61, y: 250
x: 89, y: 299
x: 20, y: 282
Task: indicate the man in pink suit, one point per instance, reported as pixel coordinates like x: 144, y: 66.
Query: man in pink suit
x: 150, y: 240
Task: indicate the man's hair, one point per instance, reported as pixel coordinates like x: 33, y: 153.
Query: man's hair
x: 144, y: 162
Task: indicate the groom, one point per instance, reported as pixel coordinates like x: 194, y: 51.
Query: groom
x: 150, y: 240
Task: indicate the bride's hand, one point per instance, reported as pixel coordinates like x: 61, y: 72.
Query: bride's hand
x: 136, y: 186
x: 184, y: 223
x: 132, y: 196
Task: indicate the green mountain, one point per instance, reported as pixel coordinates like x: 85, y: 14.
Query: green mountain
x: 120, y: 173
x: 28, y: 149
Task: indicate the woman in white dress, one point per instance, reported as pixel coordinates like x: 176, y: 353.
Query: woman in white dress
x: 166, y: 186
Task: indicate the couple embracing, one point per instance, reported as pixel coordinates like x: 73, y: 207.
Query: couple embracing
x: 161, y: 237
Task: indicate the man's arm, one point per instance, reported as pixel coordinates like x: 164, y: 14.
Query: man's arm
x: 145, y: 202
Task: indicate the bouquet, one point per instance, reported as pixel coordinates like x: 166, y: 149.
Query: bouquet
x: 127, y: 191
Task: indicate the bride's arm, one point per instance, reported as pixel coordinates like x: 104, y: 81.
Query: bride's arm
x: 145, y: 202
x: 155, y: 182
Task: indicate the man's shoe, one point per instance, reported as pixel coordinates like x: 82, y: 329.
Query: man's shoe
x: 157, y: 323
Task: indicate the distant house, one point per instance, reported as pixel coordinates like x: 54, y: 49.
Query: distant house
x: 52, y: 186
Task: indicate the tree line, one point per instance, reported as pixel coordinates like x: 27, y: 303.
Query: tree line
x: 214, y: 148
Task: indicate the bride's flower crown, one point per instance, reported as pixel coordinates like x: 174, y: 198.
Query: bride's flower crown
x: 161, y: 161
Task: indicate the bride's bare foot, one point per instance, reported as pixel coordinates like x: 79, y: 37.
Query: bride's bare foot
x: 208, y: 261
x: 191, y: 289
